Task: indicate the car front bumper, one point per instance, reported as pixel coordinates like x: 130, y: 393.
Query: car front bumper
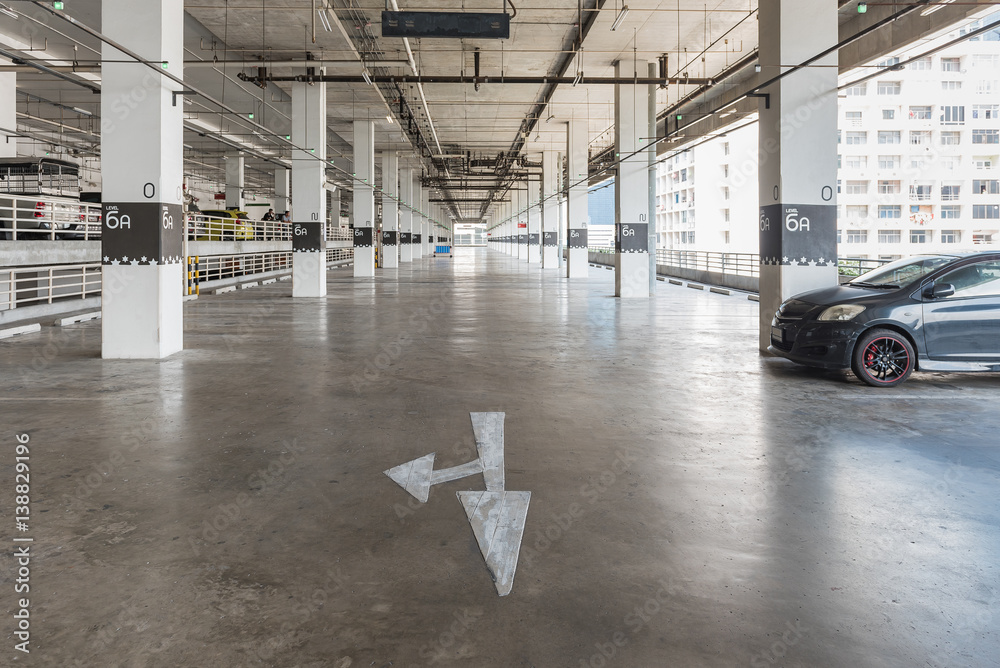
x: 821, y: 344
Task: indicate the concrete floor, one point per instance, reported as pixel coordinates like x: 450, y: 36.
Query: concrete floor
x: 693, y: 504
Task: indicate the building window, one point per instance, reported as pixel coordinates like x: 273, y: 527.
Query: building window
x: 889, y: 87
x: 889, y: 187
x: 889, y: 161
x: 857, y: 161
x: 951, y: 211
x: 985, y: 187
x: 985, y: 211
x: 857, y: 211
x: 890, y: 236
x: 890, y: 137
x: 918, y: 162
x: 986, y: 86
x: 920, y: 137
x: 951, y: 138
x: 951, y: 64
x: 951, y: 193
x: 725, y: 215
x: 918, y: 237
x: 920, y: 64
x: 952, y: 115
x: 725, y: 148
x: 888, y: 62
x: 986, y: 136
x: 888, y: 114
x: 921, y: 193
x: 988, y: 112
x: 922, y: 113
x: 984, y: 161
x: 857, y: 187
x: 978, y: 239
x: 853, y: 118
x: 985, y: 61
x: 725, y: 192
x: 951, y: 236
x: 725, y: 237
x: 857, y: 138
x: 951, y: 85
x: 857, y: 236
x: 857, y: 90
x: 950, y: 163
x: 886, y: 211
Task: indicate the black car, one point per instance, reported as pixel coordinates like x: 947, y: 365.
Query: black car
x: 927, y: 312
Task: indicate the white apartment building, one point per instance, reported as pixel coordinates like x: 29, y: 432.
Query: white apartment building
x: 919, y: 161
x: 720, y: 214
x: 919, y: 150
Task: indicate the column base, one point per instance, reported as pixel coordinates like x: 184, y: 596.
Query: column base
x: 364, y: 262
x: 142, y: 315
x: 390, y: 257
x: 577, y: 263
x: 550, y: 257
x: 309, y: 274
x: 632, y: 275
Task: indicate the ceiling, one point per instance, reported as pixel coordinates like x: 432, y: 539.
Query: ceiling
x: 470, y: 145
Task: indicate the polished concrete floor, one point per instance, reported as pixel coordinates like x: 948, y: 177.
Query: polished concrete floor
x: 693, y: 504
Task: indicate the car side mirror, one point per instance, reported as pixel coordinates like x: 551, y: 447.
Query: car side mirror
x: 939, y: 291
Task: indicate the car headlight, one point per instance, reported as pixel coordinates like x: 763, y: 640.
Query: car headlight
x: 841, y: 312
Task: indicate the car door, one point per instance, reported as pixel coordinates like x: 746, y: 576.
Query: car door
x: 965, y: 326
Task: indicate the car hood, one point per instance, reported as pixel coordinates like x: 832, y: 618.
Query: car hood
x: 840, y: 294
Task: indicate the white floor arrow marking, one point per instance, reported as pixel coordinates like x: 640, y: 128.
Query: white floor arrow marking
x: 497, y: 520
x: 497, y: 516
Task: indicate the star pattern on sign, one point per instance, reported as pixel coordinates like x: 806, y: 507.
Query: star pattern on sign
x: 143, y: 258
x: 784, y: 259
x: 115, y: 262
x: 153, y: 261
x: 821, y: 261
x: 107, y: 259
x: 803, y: 261
x: 125, y: 259
x: 134, y: 262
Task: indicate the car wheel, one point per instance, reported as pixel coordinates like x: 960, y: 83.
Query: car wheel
x: 883, y: 358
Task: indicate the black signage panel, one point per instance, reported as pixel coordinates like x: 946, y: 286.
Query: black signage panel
x: 364, y: 237
x: 308, y: 237
x: 550, y: 239
x: 578, y: 238
x: 389, y: 238
x: 405, y: 238
x: 452, y: 25
x: 798, y: 234
x: 136, y: 233
x: 631, y: 238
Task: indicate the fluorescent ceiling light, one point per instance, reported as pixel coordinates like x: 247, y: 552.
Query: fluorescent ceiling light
x: 367, y: 77
x: 78, y: 109
x: 620, y: 18
x: 388, y: 118
x: 933, y: 8
x: 8, y: 11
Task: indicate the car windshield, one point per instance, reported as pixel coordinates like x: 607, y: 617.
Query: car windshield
x: 903, y: 272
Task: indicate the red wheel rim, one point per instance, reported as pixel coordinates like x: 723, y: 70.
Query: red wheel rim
x: 886, y: 360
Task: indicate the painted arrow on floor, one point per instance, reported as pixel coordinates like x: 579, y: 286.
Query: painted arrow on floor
x: 496, y: 515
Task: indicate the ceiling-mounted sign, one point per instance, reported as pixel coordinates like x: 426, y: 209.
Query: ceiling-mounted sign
x: 449, y: 25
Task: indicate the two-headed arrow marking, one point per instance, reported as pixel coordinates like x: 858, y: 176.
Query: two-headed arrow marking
x: 496, y: 515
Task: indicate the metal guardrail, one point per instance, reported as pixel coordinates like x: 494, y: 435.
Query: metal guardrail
x: 45, y: 284
x: 740, y: 264
x: 202, y: 227
x: 339, y: 234
x: 339, y: 254
x: 218, y: 267
x: 39, y: 218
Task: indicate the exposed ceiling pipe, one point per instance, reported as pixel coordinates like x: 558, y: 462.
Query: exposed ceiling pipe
x: 420, y: 88
x: 462, y: 79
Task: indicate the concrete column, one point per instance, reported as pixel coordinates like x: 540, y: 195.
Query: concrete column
x: 522, y: 221
x: 234, y: 182
x: 308, y: 181
x: 282, y: 193
x: 333, y: 211
x: 142, y: 173
x: 8, y: 112
x: 390, y: 210
x: 406, y: 215
x: 651, y: 176
x: 428, y: 224
x: 798, y: 154
x: 576, y: 200
x: 550, y: 209
x: 364, y: 199
x: 534, y: 222
x: 415, y: 238
x: 631, y: 184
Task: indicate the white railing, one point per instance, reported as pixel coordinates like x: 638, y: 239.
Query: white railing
x: 219, y: 267
x: 45, y: 284
x: 338, y: 233
x: 213, y: 228
x: 339, y: 254
x: 38, y: 218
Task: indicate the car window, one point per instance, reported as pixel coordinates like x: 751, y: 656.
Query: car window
x: 981, y: 279
x: 903, y: 272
